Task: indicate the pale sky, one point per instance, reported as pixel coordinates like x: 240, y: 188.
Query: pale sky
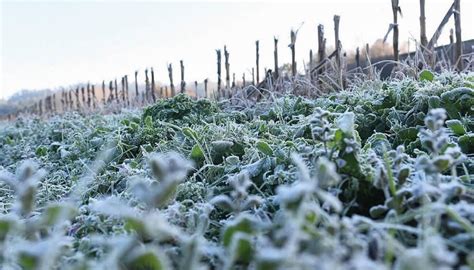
x: 48, y: 44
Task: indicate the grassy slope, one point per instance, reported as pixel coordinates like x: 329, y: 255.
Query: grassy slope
x: 352, y: 195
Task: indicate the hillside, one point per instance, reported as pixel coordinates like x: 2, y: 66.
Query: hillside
x: 380, y: 176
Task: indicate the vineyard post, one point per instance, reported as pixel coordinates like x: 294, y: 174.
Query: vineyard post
x: 457, y: 27
x: 103, y: 91
x: 275, y: 57
x: 337, y: 43
x: 253, y: 76
x: 83, y: 96
x: 423, y: 38
x: 78, y: 105
x: 53, y: 106
x: 218, y: 72
x: 89, y: 98
x: 127, y: 93
x: 123, y: 89
x: 183, y: 83
x: 153, y: 96
x: 451, y: 49
x: 137, y: 95
x: 310, y: 65
x: 94, y: 98
x: 292, y: 47
x: 233, y: 80
x: 226, y: 65
x: 205, y: 88
x: 70, y: 100
x: 116, y: 90
x: 161, y: 92
x: 147, y: 86
x: 62, y: 101
x: 167, y: 94
x: 196, y: 88
x: 257, y: 60
x: 243, y: 80
x: 357, y: 57
x: 40, y: 107
x: 111, y: 89
x: 170, y: 74
x: 395, y: 10
x: 321, y: 47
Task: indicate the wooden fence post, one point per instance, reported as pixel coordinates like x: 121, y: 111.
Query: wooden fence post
x: 257, y: 43
x: 310, y: 65
x: 78, y: 105
x: 423, y: 38
x: 183, y: 83
x: 116, y: 90
x: 321, y: 47
x: 111, y: 89
x: 337, y: 43
x: 103, y: 91
x: 53, y: 103
x: 218, y: 73
x: 457, y: 27
x: 275, y: 57
x: 196, y: 88
x: 451, y: 47
x: 357, y: 58
x: 253, y: 76
x: 395, y: 10
x: 83, y: 96
x: 226, y: 65
x: 147, y: 86
x: 40, y: 107
x: 170, y: 74
x: 62, y: 101
x: 94, y: 98
x: 137, y: 95
x: 123, y: 89
x: 293, y: 55
x: 89, y: 97
x: 233, y: 80
x: 70, y: 100
x: 153, y: 96
x: 205, y: 89
x: 243, y: 80
x: 127, y: 93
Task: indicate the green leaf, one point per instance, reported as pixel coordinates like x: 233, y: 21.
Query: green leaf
x: 466, y: 143
x: 241, y: 248
x: 145, y: 260
x: 243, y: 223
x: 149, y: 121
x: 346, y: 124
x: 28, y: 261
x: 197, y: 153
x: 41, y: 151
x: 190, y: 133
x: 137, y: 226
x: 57, y: 212
x: 456, y: 127
x: 434, y: 102
x: 426, y: 75
x: 442, y: 162
x: 5, y: 226
x: 264, y: 148
x: 221, y: 146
